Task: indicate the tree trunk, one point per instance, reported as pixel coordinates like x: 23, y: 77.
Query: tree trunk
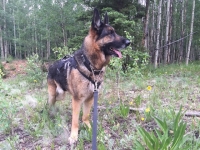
x: 1, y: 44
x: 158, y: 34
x: 151, y: 32
x: 183, y: 12
x: 146, y: 24
x: 191, y: 35
x: 167, y: 32
x: 170, y: 31
x: 4, y: 29
x: 35, y: 36
x: 14, y: 28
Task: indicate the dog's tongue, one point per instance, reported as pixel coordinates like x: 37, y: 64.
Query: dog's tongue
x: 118, y: 53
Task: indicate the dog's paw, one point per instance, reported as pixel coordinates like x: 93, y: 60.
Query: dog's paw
x: 87, y: 123
x: 73, y: 139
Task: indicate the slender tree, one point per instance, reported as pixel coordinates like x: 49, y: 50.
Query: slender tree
x: 1, y: 44
x: 166, y: 50
x: 191, y: 35
x: 146, y: 24
x: 158, y: 34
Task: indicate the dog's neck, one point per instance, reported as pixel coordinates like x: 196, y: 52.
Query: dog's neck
x: 93, y: 52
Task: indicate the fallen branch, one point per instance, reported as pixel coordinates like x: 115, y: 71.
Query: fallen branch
x: 188, y: 113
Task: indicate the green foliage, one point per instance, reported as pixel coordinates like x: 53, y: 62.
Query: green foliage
x: 7, y: 114
x: 61, y: 52
x: 133, y: 62
x: 8, y: 108
x: 2, y: 72
x: 165, y: 138
x: 124, y: 110
x: 33, y: 70
x: 9, y: 59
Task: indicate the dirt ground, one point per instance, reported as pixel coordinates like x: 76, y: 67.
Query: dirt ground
x: 14, y: 68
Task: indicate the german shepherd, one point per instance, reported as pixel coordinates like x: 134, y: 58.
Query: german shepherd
x: 83, y: 72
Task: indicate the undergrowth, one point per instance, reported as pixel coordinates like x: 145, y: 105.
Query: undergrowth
x: 136, y: 111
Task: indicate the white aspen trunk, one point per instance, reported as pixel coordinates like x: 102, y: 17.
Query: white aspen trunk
x: 4, y: 28
x: 64, y: 36
x: 48, y: 42
x: 1, y: 44
x: 167, y: 32
x: 14, y: 28
x: 146, y: 24
x: 48, y: 48
x: 191, y: 35
x: 170, y: 31
x: 158, y: 34
x: 35, y: 35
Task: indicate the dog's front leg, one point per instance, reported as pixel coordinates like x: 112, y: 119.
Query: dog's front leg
x: 76, y: 106
x: 86, y: 112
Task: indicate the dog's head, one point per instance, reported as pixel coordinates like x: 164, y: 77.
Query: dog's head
x: 106, y: 37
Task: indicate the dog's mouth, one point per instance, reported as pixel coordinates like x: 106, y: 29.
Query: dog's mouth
x: 116, y: 52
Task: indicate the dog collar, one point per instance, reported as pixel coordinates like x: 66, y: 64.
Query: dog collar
x: 87, y: 64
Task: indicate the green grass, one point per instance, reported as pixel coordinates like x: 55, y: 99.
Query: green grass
x: 25, y: 123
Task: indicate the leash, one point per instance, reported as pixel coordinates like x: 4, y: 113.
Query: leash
x: 95, y: 118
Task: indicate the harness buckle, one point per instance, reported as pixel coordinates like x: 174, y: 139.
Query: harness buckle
x: 83, y: 58
x: 95, y: 86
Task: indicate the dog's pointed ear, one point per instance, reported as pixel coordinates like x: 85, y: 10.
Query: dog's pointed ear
x: 106, y: 19
x: 96, y: 20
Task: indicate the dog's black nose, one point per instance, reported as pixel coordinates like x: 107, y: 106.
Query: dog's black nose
x: 127, y: 42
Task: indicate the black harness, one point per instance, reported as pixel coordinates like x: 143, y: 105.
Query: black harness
x: 72, y: 62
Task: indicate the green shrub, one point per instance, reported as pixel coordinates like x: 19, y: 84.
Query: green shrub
x: 2, y: 71
x: 33, y: 70
x: 133, y: 62
x: 61, y: 52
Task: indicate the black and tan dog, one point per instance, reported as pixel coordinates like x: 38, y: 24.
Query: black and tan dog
x: 78, y: 74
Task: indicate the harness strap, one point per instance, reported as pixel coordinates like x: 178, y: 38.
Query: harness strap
x: 87, y: 64
x: 73, y: 63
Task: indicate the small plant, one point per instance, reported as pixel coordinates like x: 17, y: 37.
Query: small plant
x: 137, y: 103
x: 2, y: 72
x: 124, y: 110
x: 165, y: 138
x: 147, y: 114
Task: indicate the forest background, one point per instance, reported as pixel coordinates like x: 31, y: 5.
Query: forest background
x: 162, y: 31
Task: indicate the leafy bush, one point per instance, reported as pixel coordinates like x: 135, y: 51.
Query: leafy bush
x: 61, y: 52
x: 33, y: 70
x: 9, y: 59
x: 2, y: 71
x: 164, y: 138
x: 134, y: 61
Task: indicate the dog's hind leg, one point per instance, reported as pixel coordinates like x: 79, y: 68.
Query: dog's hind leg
x: 86, y: 111
x: 60, y: 94
x: 51, y: 91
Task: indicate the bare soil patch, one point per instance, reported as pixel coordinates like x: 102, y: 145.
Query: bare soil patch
x: 14, y: 68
